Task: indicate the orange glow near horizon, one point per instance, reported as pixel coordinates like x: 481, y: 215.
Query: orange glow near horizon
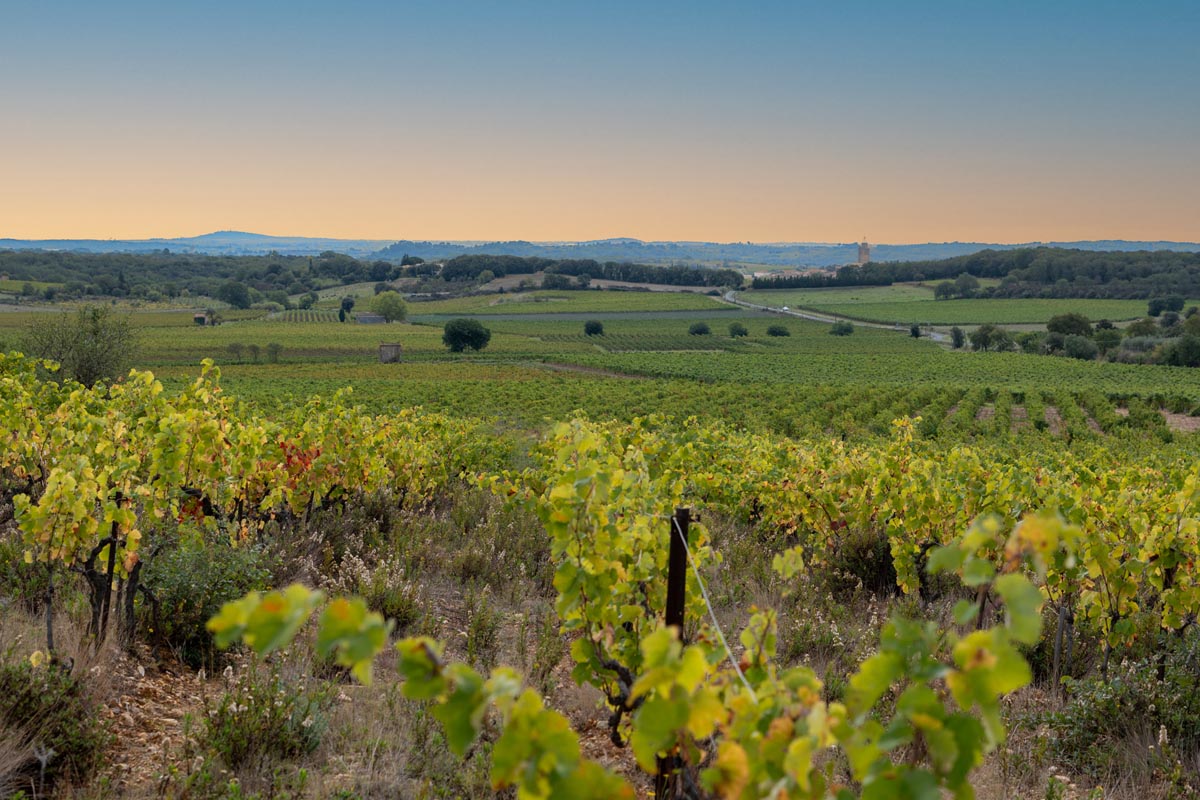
x: 146, y: 191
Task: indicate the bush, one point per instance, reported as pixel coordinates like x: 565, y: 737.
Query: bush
x: 593, y: 327
x: 1095, y: 730
x: 191, y: 582
x: 699, y: 329
x: 957, y: 337
x: 49, y: 706
x: 842, y: 328
x: 261, y: 718
x: 465, y: 334
x: 778, y: 330
x: 914, y: 331
x: 737, y: 329
x: 91, y: 345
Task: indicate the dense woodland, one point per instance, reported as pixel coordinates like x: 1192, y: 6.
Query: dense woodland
x: 243, y: 280
x: 165, y: 274
x: 470, y: 267
x: 1029, y: 272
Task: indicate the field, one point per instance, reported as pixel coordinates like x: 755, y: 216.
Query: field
x: 511, y: 505
x: 544, y: 302
x: 906, y: 303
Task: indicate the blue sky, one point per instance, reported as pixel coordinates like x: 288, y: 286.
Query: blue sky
x: 767, y: 121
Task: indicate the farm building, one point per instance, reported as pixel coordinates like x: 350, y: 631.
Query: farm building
x: 390, y: 353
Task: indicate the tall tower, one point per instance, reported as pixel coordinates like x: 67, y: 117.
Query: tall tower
x: 864, y: 251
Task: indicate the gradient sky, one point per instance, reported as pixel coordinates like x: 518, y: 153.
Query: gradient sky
x: 972, y: 120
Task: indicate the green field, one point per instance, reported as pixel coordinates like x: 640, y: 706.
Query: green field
x: 547, y: 302
x: 540, y: 366
x: 905, y: 304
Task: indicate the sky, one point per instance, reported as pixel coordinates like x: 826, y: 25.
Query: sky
x: 954, y: 120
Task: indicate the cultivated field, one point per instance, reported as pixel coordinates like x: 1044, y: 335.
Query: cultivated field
x: 905, y: 304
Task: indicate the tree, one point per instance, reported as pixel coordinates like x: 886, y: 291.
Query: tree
x: 235, y: 294
x: 737, y: 329
x: 914, y: 331
x: 842, y: 328
x: 91, y: 345
x: 389, y: 305
x: 1107, y: 339
x: 1143, y: 327
x: 1081, y: 347
x: 1183, y: 352
x: 699, y: 329
x: 487, y: 276
x: 593, y: 327
x: 991, y: 337
x: 1173, y: 302
x: 308, y: 300
x: 465, y: 334
x: 347, y: 304
x: 778, y: 330
x: 341, y: 315
x: 943, y: 291
x: 966, y: 285
x: 1071, y: 324
x: 274, y: 349
x: 236, y: 349
x: 957, y: 337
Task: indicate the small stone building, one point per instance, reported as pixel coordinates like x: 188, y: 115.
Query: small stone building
x: 390, y: 353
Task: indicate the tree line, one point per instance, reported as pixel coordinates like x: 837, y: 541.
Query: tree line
x: 471, y: 267
x: 1028, y: 272
x: 154, y: 276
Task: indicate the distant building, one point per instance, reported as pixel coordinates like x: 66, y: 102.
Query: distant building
x: 864, y: 251
x: 390, y: 353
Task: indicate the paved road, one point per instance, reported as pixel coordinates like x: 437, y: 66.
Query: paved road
x: 731, y: 297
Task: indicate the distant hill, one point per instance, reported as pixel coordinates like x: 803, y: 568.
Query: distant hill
x: 229, y: 243
x: 775, y: 254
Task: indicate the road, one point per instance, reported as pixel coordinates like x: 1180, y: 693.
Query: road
x: 813, y: 316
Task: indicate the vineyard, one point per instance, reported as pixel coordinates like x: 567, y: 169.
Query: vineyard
x: 962, y: 580
x: 907, y: 304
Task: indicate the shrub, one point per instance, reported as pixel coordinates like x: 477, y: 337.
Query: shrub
x: 593, y: 327
x: 842, y: 328
x: 699, y: 329
x: 1095, y: 729
x: 465, y: 334
x: 914, y: 331
x: 957, y: 337
x: 261, y: 718
x: 91, y: 345
x: 778, y: 330
x: 191, y: 582
x: 49, y: 706
x: 737, y: 329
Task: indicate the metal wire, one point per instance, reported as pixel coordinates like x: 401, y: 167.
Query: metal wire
x: 712, y: 614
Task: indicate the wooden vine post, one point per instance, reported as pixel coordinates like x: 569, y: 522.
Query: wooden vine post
x: 676, y: 599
